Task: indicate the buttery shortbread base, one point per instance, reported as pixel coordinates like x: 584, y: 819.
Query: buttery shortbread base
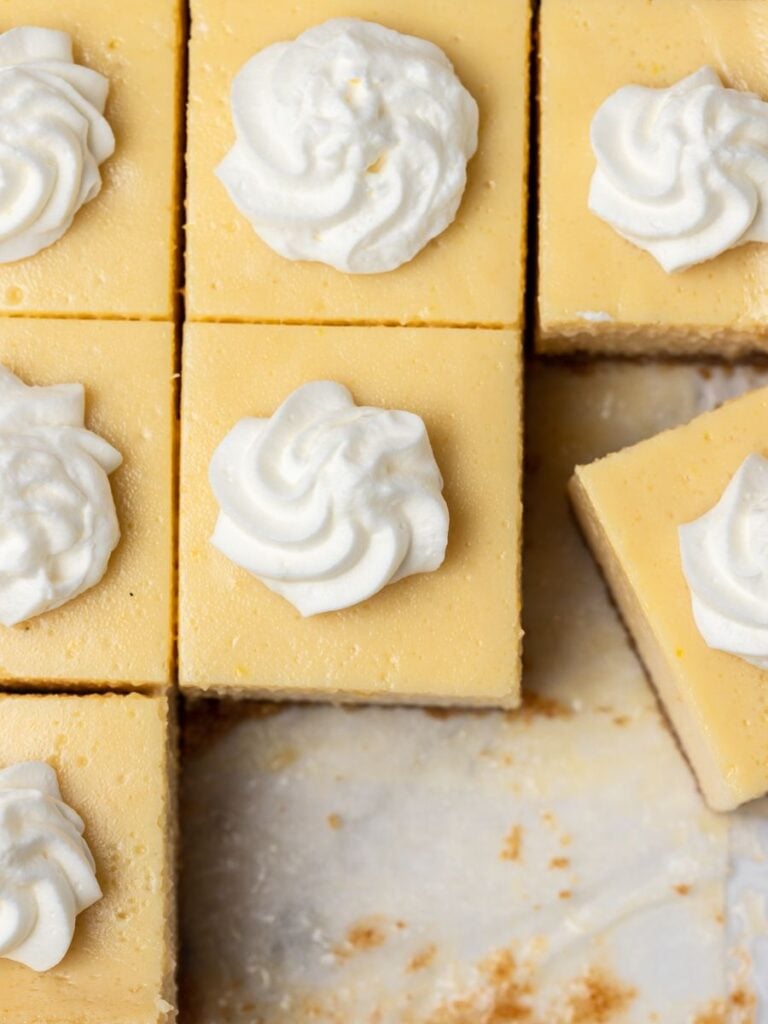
x: 596, y: 337
x: 548, y: 894
x: 585, y: 267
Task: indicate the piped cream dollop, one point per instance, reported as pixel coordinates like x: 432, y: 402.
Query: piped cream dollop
x: 327, y: 502
x: 53, y: 137
x: 47, y: 872
x: 58, y: 524
x: 725, y: 561
x: 351, y: 145
x: 682, y: 172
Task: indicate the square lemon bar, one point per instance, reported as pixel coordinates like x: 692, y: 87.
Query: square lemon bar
x: 599, y: 292
x: 118, y: 258
x: 446, y: 636
x: 118, y: 632
x: 471, y: 273
x: 631, y: 506
x: 112, y: 757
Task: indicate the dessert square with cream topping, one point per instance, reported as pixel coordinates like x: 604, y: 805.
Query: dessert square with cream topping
x: 678, y: 174
x: 96, y: 631
x: 117, y: 258
x: 677, y: 523
x: 111, y: 759
x: 450, y: 631
x: 231, y: 274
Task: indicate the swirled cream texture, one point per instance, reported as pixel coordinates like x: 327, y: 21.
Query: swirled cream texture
x: 327, y: 502
x: 351, y: 145
x: 682, y: 172
x: 58, y: 524
x: 47, y: 872
x: 53, y: 136
x: 725, y: 561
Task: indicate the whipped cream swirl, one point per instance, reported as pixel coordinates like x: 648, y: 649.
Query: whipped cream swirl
x: 725, y: 561
x: 682, y: 172
x: 327, y: 502
x: 47, y: 872
x: 53, y: 136
x: 58, y: 524
x: 351, y: 145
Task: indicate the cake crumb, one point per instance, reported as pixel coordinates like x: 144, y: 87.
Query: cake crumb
x: 559, y: 863
x: 599, y: 999
x: 504, y: 999
x: 513, y: 844
x: 335, y: 821
x: 564, y: 894
x: 282, y: 759
x: 422, y: 959
x: 715, y: 1013
x: 682, y: 888
x: 363, y: 936
x: 537, y: 706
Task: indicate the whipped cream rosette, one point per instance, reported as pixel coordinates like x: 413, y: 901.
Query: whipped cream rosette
x: 351, y: 145
x: 682, y: 172
x: 327, y: 502
x: 47, y: 872
x: 58, y: 524
x: 53, y: 136
x: 725, y: 561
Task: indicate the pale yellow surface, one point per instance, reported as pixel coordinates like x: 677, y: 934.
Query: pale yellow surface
x: 112, y: 758
x: 452, y: 635
x: 118, y: 632
x: 472, y: 273
x: 631, y: 505
x: 118, y: 259
x: 590, y: 48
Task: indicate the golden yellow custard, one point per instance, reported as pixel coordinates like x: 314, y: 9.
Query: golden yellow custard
x: 597, y: 291
x: 233, y: 275
x: 118, y: 633
x: 451, y: 635
x: 630, y: 505
x: 114, y: 766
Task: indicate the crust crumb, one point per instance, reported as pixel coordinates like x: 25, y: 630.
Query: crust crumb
x: 283, y: 759
x: 598, y: 998
x: 506, y: 1000
x: 715, y: 1013
x: 513, y: 844
x: 559, y: 863
x: 335, y: 821
x: 742, y: 1006
x: 422, y: 959
x: 363, y: 936
x: 537, y: 706
x: 682, y: 889
x: 564, y: 894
